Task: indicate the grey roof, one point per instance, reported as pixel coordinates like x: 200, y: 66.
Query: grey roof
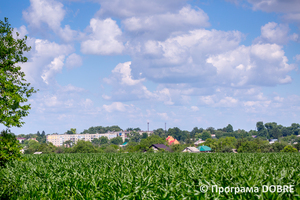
x: 161, y: 146
x: 192, y: 149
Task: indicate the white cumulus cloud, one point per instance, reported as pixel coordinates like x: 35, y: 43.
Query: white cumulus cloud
x: 73, y: 60
x: 54, y: 67
x: 104, y: 39
x: 162, y: 25
x: 276, y: 33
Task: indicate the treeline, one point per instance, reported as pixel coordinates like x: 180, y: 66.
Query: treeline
x: 264, y: 131
x: 40, y: 137
x: 251, y: 145
x: 101, y: 145
x: 101, y: 129
x: 220, y: 140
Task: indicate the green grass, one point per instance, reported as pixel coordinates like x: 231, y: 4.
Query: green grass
x: 148, y: 176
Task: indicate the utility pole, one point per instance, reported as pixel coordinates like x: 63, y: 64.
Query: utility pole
x: 148, y: 126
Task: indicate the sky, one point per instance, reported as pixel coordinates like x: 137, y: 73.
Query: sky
x: 186, y: 63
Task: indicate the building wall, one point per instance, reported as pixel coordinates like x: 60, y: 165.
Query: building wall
x: 58, y: 140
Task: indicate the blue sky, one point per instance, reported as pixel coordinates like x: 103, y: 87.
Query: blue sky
x: 187, y: 63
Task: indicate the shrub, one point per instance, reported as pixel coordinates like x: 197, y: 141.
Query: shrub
x: 289, y: 149
x: 10, y: 149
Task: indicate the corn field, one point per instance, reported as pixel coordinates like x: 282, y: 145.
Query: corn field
x: 149, y: 176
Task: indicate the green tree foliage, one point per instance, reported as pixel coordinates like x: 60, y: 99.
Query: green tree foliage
x: 68, y: 143
x: 83, y: 147
x: 47, y: 148
x: 212, y: 143
x: 297, y: 146
x: 116, y: 140
x: 178, y: 134
x: 226, y: 149
x: 178, y: 147
x: 9, y: 148
x: 260, y: 126
x: 295, y: 128
x: 103, y: 140
x: 100, y: 141
x: 256, y: 145
x: 144, y: 144
x: 153, y: 139
x: 279, y: 146
x: 41, y: 137
x: 14, y: 91
x: 144, y: 135
x: 274, y: 130
x: 160, y: 132
x: 289, y: 149
x: 134, y: 136
x: 110, y: 149
x: 229, y: 128
x: 195, y: 131
x: 71, y: 131
x: 205, y: 135
x: 101, y: 129
x: 261, y: 131
x: 211, y: 130
x: 133, y: 129
x: 32, y: 146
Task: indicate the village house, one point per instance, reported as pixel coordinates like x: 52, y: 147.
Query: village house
x: 204, y: 149
x: 171, y: 140
x: 191, y: 150
x: 157, y: 147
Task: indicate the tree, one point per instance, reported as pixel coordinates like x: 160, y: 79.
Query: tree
x: 297, y: 146
x: 276, y: 133
x: 160, y: 132
x: 260, y: 126
x: 178, y: 134
x: 261, y: 131
x: 103, y: 140
x: 279, y: 146
x: 14, y: 90
x: 110, y: 149
x: 32, y: 147
x: 153, y: 139
x: 135, y: 136
x: 226, y: 149
x: 116, y: 140
x: 83, y: 147
x: 144, y: 135
x: 205, y: 135
x: 71, y: 131
x: 47, y: 148
x: 101, y: 129
x: 9, y: 148
x: 211, y: 130
x: 41, y: 137
x: 178, y: 147
x: 137, y: 129
x: 229, y: 128
x: 289, y: 149
x: 68, y: 143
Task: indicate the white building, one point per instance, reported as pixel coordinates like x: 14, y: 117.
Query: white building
x: 200, y: 141
x: 58, y: 140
